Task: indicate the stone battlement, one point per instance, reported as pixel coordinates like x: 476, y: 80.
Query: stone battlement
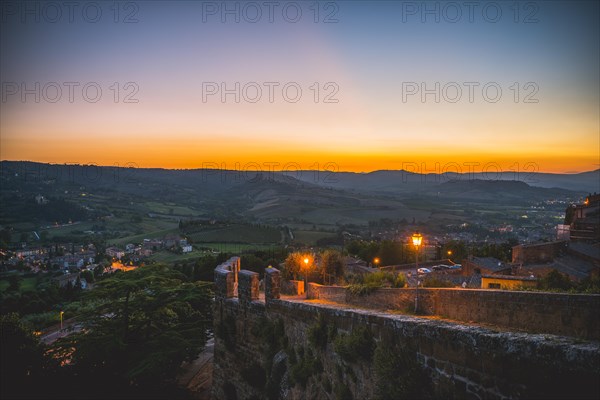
x: 297, y: 349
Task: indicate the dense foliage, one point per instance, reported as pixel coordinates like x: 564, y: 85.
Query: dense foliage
x: 130, y: 341
x: 324, y: 267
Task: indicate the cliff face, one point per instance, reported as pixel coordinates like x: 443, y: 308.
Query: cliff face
x: 306, y: 350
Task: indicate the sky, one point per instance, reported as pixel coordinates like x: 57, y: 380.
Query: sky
x: 347, y: 85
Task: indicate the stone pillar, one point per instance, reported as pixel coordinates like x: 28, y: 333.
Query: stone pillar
x: 247, y: 287
x: 223, y: 284
x: 272, y: 284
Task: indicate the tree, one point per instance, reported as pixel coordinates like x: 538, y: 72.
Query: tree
x: 14, y: 282
x: 555, y: 281
x: 88, y: 275
x: 332, y: 263
x: 251, y: 262
x: 293, y: 265
x: 147, y: 322
x: 25, y: 370
x: 5, y: 237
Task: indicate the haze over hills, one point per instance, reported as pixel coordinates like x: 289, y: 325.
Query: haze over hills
x: 311, y: 197
x: 217, y: 180
x: 134, y: 200
x: 405, y: 181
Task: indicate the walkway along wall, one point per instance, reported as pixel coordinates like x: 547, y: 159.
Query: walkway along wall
x: 303, y: 350
x: 576, y: 315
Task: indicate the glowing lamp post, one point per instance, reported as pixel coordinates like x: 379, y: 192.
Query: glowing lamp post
x: 417, y: 239
x: 376, y: 262
x: 306, y: 261
x: 61, y: 320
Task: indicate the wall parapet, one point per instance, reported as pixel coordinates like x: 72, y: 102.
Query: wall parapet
x: 226, y: 277
x: 248, y: 287
x: 254, y: 340
x: 537, y: 312
x: 272, y: 284
x: 459, y: 361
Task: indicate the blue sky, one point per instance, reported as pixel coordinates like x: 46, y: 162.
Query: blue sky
x: 369, y: 52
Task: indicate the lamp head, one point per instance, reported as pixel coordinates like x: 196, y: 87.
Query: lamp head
x: 417, y: 238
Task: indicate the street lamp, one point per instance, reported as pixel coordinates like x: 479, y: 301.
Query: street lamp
x: 417, y: 238
x: 306, y: 261
x: 376, y: 262
x: 61, y: 320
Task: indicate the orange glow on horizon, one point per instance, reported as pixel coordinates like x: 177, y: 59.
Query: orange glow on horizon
x: 357, y: 163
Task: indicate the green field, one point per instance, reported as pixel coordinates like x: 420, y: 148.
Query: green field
x: 311, y: 237
x: 140, y: 238
x: 170, y: 209
x: 27, y: 285
x: 237, y: 247
x: 68, y: 229
x: 168, y: 257
x: 238, y: 234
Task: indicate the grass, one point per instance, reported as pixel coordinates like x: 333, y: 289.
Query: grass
x: 170, y: 258
x: 236, y: 247
x: 68, y: 229
x: 150, y: 235
x: 239, y: 234
x: 26, y: 285
x: 170, y: 209
x: 311, y: 237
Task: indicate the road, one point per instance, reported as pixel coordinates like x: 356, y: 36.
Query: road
x: 55, y: 333
x: 197, y: 375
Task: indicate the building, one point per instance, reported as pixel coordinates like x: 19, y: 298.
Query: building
x: 485, y: 266
x: 538, y: 252
x: 153, y: 244
x: 576, y: 259
x: 171, y: 241
x: 187, y: 248
x: 507, y: 282
x: 584, y: 220
x: 115, y: 252
x: 64, y: 280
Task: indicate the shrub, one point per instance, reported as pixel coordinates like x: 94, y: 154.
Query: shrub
x: 555, y: 281
x: 358, y: 345
x: 255, y: 375
x: 399, y: 281
x: 434, y: 282
x: 306, y: 366
x: 366, y: 283
x: 342, y: 392
x: 318, y: 334
x: 230, y: 392
x: 362, y: 289
x: 398, y: 375
x: 227, y: 330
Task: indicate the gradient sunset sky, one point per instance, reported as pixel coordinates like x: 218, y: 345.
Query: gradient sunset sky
x: 369, y: 54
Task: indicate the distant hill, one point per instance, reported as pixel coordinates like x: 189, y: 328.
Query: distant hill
x: 306, y: 197
x: 497, y: 190
x: 404, y: 181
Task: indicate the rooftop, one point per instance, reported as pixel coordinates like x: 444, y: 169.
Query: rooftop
x: 490, y: 263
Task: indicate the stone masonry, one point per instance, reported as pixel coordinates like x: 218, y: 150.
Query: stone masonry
x: 273, y: 350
